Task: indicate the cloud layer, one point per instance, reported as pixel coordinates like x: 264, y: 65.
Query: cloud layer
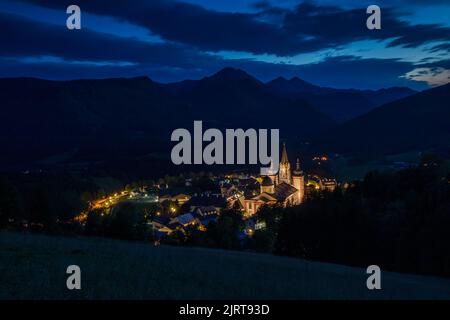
x: 192, y: 36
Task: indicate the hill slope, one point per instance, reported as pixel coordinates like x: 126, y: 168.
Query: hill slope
x: 33, y: 267
x: 39, y: 118
x: 418, y: 122
x: 231, y: 98
x: 339, y: 104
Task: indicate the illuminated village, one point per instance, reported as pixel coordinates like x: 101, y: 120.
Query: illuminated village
x: 179, y: 208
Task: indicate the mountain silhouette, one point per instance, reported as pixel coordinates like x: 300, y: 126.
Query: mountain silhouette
x: 339, y: 104
x: 96, y: 119
x: 418, y: 122
x: 106, y: 117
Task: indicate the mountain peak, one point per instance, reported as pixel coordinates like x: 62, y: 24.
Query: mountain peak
x: 298, y: 80
x: 292, y: 81
x: 279, y: 79
x: 141, y: 78
x: 293, y: 85
x: 230, y: 74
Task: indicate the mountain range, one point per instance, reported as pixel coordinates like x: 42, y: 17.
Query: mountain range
x: 420, y: 122
x: 134, y: 116
x: 339, y: 104
x: 110, y: 117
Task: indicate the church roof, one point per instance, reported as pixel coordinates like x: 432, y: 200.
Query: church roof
x: 284, y: 190
x: 284, y: 156
x: 265, y: 197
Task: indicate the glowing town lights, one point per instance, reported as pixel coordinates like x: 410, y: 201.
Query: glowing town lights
x: 82, y: 217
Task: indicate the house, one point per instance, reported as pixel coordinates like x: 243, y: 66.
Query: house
x: 179, y: 195
x: 161, y: 227
x: 206, y: 211
x: 160, y: 222
x: 204, y: 221
x: 184, y: 220
x: 205, y: 203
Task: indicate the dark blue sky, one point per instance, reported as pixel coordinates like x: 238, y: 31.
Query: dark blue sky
x: 324, y: 42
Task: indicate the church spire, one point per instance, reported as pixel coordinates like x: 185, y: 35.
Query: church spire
x: 284, y: 174
x: 297, y: 170
x: 284, y: 156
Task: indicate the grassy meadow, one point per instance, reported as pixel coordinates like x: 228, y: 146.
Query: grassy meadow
x: 34, y: 267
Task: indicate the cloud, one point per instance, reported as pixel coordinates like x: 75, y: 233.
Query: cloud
x: 32, y: 48
x: 428, y: 2
x: 432, y: 76
x: 27, y: 38
x: 193, y: 25
x: 335, y: 26
x: 305, y: 28
x: 441, y: 47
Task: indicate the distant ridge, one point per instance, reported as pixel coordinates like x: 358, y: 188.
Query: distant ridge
x: 135, y: 116
x: 339, y: 104
x: 132, y: 116
x: 418, y: 122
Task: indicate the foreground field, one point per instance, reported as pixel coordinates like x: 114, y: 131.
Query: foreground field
x: 34, y: 267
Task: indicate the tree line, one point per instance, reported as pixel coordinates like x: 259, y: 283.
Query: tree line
x: 397, y: 220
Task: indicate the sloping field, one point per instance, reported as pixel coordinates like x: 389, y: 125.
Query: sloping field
x: 34, y: 267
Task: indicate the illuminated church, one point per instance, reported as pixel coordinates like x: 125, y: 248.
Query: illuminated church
x: 286, y: 188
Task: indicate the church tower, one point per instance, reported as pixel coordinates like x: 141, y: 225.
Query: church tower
x: 298, y: 181
x: 284, y: 175
x: 267, y: 185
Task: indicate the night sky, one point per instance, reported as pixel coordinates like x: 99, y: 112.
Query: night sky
x: 324, y: 42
